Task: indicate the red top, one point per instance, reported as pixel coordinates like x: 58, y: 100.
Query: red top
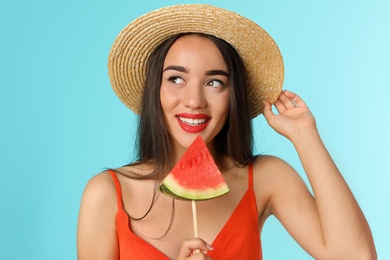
x: 238, y: 239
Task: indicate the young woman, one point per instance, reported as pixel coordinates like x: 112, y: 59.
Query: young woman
x: 198, y: 75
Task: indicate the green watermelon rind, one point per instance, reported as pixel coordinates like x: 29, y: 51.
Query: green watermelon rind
x: 169, y: 185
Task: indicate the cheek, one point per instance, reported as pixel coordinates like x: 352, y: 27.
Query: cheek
x: 166, y: 98
x: 220, y: 106
x: 223, y: 103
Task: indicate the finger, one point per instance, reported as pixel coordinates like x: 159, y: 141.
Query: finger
x: 294, y: 97
x: 190, y: 245
x: 202, y: 256
x: 267, y: 111
x: 287, y: 101
x: 280, y: 105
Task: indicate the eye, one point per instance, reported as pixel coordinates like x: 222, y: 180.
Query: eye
x: 176, y: 80
x: 215, y: 83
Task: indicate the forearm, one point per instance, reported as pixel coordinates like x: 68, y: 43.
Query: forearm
x: 343, y: 224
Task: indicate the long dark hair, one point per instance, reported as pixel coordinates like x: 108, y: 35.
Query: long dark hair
x: 234, y: 140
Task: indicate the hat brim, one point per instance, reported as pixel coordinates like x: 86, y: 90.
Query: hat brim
x: 131, y: 50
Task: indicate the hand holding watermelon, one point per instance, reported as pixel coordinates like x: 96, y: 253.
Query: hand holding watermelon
x: 194, y: 246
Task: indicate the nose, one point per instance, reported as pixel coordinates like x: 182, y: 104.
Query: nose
x: 194, y: 96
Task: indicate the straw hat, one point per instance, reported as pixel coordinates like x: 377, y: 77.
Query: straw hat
x: 133, y: 46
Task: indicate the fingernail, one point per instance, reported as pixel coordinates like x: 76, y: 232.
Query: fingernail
x: 210, y: 247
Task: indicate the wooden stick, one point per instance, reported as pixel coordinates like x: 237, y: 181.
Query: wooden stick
x: 195, y: 220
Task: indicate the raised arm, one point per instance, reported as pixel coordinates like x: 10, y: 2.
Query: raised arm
x: 332, y: 225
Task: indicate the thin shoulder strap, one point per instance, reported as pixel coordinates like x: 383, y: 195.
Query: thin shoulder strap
x: 250, y: 176
x: 118, y: 188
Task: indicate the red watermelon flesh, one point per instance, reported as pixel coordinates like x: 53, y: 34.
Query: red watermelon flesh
x: 195, y: 176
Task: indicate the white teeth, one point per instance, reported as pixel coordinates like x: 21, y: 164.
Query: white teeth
x: 192, y: 122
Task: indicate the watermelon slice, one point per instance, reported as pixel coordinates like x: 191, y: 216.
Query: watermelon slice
x: 195, y: 176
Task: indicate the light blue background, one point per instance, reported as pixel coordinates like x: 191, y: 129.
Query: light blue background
x: 60, y: 123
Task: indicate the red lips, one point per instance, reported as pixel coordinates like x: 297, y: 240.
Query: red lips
x: 189, y: 126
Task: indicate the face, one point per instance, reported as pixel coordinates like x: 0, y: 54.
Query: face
x: 195, y: 91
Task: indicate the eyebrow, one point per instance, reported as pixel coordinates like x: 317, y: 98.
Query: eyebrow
x: 175, y: 67
x: 208, y: 73
x: 217, y: 72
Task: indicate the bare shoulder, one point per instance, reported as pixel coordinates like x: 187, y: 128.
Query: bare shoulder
x: 100, y: 190
x: 270, y: 168
x: 268, y: 160
x: 98, y: 202
x: 96, y: 231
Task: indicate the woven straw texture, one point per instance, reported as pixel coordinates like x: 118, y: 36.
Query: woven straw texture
x: 133, y: 46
